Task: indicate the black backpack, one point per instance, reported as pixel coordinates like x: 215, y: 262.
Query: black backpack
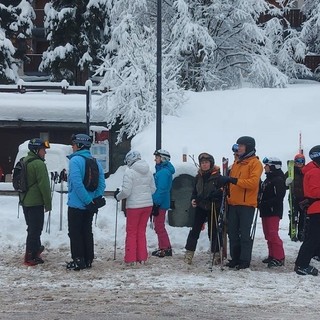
x: 91, y: 176
x: 19, y: 176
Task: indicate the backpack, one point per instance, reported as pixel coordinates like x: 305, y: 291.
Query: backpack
x: 19, y: 176
x: 91, y: 176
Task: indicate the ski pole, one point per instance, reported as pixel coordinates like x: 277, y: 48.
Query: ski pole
x: 55, y: 177
x: 115, y: 232
x: 254, y: 224
x: 62, y: 178
x: 211, y: 232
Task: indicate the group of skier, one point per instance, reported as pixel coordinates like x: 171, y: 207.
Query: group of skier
x: 229, y: 202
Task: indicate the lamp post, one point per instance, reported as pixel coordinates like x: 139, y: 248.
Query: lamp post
x: 159, y: 77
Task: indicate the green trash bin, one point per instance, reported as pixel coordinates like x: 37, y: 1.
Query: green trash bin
x: 181, y: 213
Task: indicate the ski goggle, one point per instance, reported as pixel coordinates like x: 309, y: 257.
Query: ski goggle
x: 235, y: 148
x: 270, y: 162
x: 46, y: 144
x: 299, y: 161
x: 314, y: 155
x: 204, y: 156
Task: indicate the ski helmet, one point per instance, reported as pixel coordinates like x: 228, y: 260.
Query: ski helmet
x: 272, y: 162
x: 249, y: 142
x: 164, y: 154
x: 314, y: 154
x: 206, y: 156
x: 81, y: 140
x: 36, y: 144
x: 299, y: 159
x: 131, y: 157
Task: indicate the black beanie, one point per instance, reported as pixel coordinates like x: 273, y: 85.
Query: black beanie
x: 249, y: 142
x: 314, y: 154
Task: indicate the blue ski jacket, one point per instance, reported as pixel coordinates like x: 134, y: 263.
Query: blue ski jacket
x: 163, y: 181
x: 78, y: 195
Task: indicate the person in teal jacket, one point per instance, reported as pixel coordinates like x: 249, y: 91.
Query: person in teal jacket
x: 37, y: 200
x: 82, y: 204
x: 161, y: 201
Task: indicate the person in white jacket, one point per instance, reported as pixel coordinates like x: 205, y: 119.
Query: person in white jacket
x: 137, y: 188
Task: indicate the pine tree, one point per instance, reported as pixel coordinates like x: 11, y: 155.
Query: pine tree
x: 310, y: 32
x: 76, y: 31
x: 219, y: 44
x: 15, y: 27
x: 286, y: 48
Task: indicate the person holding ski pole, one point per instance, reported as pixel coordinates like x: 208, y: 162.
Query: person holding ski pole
x: 37, y: 199
x: 244, y: 180
x: 137, y: 188
x: 206, y: 199
x: 161, y: 201
x: 311, y: 189
x: 86, y: 187
x: 297, y: 196
x: 272, y: 192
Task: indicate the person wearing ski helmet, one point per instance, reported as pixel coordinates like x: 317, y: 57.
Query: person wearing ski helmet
x: 206, y: 199
x: 272, y: 192
x: 311, y: 189
x: 37, y: 200
x: 244, y: 181
x: 137, y: 188
x: 161, y: 200
x: 82, y: 204
x: 297, y: 195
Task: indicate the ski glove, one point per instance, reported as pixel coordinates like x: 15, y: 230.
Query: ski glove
x: 155, y: 210
x: 288, y: 181
x: 100, y: 202
x: 92, y: 207
x: 215, y: 195
x: 116, y: 193
x: 226, y: 179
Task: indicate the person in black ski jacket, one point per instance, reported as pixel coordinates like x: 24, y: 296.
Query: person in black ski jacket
x: 299, y: 163
x: 206, y: 199
x: 272, y: 192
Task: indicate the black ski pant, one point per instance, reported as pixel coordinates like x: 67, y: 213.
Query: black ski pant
x: 200, y: 217
x: 80, y: 234
x: 311, y: 245
x: 240, y: 220
x: 34, y: 217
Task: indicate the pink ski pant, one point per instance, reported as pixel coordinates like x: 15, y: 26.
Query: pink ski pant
x: 136, y: 242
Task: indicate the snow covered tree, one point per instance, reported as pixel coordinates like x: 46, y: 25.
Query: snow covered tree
x: 310, y: 32
x: 287, y: 51
x: 7, y: 67
x: 15, y: 27
x: 219, y: 44
x: 76, y: 31
x: 129, y: 70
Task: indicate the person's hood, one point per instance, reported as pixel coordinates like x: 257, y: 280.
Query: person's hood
x: 84, y: 153
x: 140, y: 166
x: 166, y: 165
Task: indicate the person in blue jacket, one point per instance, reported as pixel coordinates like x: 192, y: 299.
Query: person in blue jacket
x: 82, y: 204
x: 161, y: 201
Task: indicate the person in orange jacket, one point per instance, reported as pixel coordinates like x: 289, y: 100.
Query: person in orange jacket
x: 311, y: 189
x: 244, y: 180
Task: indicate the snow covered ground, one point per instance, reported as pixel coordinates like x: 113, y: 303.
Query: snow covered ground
x: 167, y: 288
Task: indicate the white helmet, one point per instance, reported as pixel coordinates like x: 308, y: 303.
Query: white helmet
x: 164, y: 154
x: 131, y: 157
x: 273, y: 161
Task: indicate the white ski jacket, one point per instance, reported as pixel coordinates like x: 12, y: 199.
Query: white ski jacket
x: 137, y: 186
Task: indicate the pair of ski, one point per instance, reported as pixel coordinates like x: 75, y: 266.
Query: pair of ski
x: 220, y: 221
x: 293, y: 215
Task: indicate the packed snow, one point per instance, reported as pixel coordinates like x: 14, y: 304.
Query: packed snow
x: 167, y: 288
